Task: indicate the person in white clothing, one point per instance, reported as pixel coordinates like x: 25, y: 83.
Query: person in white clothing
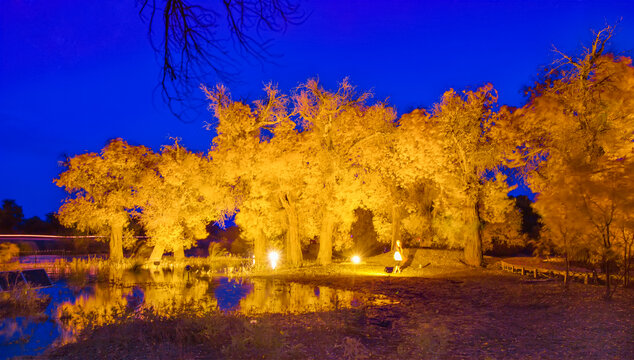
x: 398, y: 257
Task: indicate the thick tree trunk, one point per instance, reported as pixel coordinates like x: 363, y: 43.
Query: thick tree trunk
x: 396, y: 225
x: 157, y: 254
x: 116, y: 243
x: 179, y: 253
x: 259, y: 250
x: 473, y: 238
x: 293, y: 245
x: 324, y: 257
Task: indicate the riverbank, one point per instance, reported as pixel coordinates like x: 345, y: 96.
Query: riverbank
x: 469, y: 313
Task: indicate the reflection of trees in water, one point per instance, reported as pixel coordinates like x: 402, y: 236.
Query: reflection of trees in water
x: 90, y: 309
x: 128, y: 295
x: 275, y: 296
x: 168, y: 294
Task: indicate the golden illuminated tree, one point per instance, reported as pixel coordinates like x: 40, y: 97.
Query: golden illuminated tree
x: 502, y: 221
x: 102, y: 190
x: 264, y: 172
x: 341, y: 129
x: 277, y: 193
x: 452, y: 147
x: 287, y: 173
x: 234, y: 148
x: 302, y: 162
x: 418, y: 204
x: 178, y: 198
x: 577, y: 131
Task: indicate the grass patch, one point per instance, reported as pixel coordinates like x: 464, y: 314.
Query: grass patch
x: 22, y: 301
x: 148, y: 335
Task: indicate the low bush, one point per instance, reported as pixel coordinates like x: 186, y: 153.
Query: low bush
x: 22, y: 300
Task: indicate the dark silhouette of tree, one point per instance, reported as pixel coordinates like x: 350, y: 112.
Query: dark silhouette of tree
x: 11, y: 216
x: 531, y: 224
x: 35, y: 225
x: 364, y: 235
x: 192, y: 44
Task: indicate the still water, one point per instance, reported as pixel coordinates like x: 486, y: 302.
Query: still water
x: 80, y: 301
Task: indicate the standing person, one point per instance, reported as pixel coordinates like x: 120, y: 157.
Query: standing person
x: 398, y: 257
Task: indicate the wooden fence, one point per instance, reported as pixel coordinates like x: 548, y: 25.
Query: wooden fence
x: 586, y: 277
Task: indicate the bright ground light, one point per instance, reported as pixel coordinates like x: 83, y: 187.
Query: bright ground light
x: 273, y: 258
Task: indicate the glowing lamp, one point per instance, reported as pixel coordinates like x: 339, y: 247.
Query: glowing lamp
x: 355, y: 259
x: 273, y: 258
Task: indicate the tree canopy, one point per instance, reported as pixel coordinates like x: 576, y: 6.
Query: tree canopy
x: 103, y: 190
x: 298, y: 169
x: 576, y: 136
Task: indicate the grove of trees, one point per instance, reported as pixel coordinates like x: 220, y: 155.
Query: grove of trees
x: 296, y: 169
x: 575, y: 138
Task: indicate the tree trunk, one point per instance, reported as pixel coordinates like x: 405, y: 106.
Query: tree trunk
x: 473, y: 238
x: 179, y: 253
x: 116, y: 243
x: 396, y: 225
x: 324, y: 257
x: 626, y: 270
x: 567, y: 269
x: 607, y: 244
x: 157, y: 254
x: 259, y: 250
x: 608, y: 293
x: 293, y: 245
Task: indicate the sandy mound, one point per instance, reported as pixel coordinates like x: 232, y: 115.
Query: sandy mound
x: 416, y: 257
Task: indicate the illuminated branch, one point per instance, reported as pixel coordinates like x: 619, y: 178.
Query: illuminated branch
x: 584, y: 64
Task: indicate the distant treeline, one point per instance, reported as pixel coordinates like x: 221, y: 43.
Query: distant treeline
x: 12, y: 221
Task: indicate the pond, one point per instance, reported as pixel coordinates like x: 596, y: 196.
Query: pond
x: 80, y: 301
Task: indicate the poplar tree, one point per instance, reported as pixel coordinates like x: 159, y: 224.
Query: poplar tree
x: 452, y: 146
x: 576, y: 134
x: 177, y: 198
x: 102, y: 191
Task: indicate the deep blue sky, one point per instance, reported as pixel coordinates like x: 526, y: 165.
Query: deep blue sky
x: 74, y: 74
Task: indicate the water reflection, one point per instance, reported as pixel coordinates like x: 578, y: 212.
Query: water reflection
x: 32, y: 335
x: 78, y: 306
x: 275, y: 296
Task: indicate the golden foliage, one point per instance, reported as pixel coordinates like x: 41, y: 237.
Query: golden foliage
x: 577, y: 133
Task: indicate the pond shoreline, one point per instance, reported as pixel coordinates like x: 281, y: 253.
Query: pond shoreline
x: 455, y: 314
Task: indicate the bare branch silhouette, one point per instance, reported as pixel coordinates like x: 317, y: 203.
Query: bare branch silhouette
x: 193, y: 40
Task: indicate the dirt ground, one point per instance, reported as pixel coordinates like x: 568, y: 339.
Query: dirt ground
x: 480, y: 314
x: 446, y: 314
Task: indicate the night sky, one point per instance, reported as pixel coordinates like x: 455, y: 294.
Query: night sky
x: 74, y: 74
